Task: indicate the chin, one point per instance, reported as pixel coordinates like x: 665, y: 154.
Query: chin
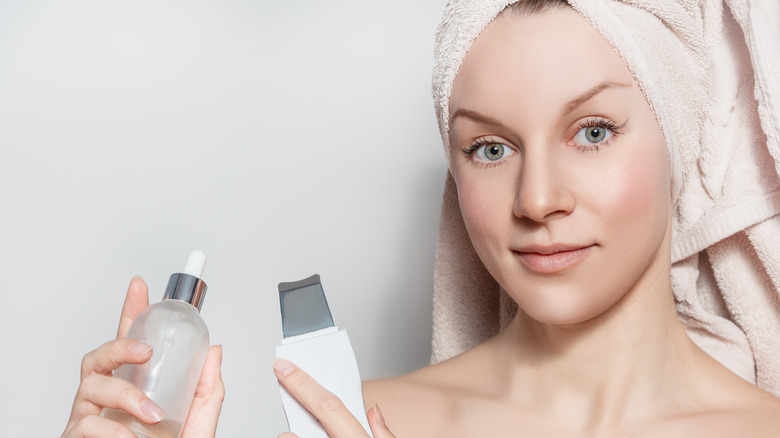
x: 563, y: 306
x: 561, y: 318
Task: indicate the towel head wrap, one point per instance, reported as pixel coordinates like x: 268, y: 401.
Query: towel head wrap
x: 710, y: 72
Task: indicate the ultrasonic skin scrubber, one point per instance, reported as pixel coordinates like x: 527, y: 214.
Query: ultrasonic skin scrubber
x: 313, y: 343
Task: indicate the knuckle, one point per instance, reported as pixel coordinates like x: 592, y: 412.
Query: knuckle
x: 129, y: 393
x: 86, y: 363
x: 331, y: 405
x: 94, y: 425
x: 89, y: 382
x: 298, y: 380
x: 101, y: 359
x: 86, y: 424
x: 219, y: 392
x: 117, y: 346
x: 117, y: 353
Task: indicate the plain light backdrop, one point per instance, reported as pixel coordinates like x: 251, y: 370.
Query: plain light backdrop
x: 282, y: 138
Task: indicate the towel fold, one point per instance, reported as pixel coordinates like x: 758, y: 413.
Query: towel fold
x: 710, y: 71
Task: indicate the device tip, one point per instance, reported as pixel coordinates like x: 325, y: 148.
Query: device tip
x: 196, y: 261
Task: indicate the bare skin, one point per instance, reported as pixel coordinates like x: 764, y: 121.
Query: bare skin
x: 597, y: 349
x: 563, y: 180
x: 564, y: 184
x: 476, y: 395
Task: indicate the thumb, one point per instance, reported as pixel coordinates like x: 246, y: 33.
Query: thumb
x: 377, y: 423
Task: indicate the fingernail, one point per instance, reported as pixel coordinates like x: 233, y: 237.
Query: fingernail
x: 379, y: 418
x: 139, y: 348
x: 151, y: 411
x: 283, y: 367
x: 136, y: 277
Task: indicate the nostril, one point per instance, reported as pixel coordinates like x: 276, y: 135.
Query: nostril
x: 541, y: 207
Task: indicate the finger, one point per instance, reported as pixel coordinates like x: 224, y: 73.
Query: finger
x: 94, y: 426
x: 209, y: 395
x: 287, y: 435
x: 377, y: 423
x: 136, y: 300
x: 329, y: 410
x: 97, y: 392
x: 109, y: 356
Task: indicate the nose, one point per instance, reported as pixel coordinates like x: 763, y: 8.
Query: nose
x: 544, y: 190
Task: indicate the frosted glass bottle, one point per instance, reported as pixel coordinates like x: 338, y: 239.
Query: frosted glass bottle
x: 180, y: 342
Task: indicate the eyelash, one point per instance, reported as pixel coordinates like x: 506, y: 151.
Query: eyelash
x: 601, y: 123
x: 478, y: 143
x: 484, y: 141
x: 592, y: 121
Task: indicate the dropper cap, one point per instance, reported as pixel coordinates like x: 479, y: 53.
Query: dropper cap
x: 186, y: 285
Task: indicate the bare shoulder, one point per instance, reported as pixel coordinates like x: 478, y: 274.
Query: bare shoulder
x: 425, y: 402
x: 403, y: 399
x: 460, y: 398
x: 756, y: 415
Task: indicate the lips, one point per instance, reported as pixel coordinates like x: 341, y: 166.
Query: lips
x: 551, y: 259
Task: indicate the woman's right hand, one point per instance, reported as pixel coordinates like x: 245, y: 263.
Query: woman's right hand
x: 98, y: 389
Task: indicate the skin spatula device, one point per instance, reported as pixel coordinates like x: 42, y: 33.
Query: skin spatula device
x: 313, y: 343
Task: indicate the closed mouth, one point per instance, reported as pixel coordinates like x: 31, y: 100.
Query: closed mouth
x: 553, y: 259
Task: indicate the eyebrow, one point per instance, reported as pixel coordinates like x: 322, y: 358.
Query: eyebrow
x: 569, y: 107
x: 479, y: 117
x: 591, y: 93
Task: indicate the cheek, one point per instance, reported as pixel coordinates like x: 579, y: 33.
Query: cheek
x: 486, y: 204
x: 640, y: 199
x: 475, y: 202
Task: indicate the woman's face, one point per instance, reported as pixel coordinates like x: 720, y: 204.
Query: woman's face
x: 562, y: 171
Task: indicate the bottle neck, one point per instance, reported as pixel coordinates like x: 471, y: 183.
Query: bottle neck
x: 187, y: 288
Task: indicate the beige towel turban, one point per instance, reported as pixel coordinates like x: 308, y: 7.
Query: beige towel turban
x: 710, y: 70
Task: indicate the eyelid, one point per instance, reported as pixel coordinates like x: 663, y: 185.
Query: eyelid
x: 485, y: 140
x: 599, y: 121
x: 481, y: 142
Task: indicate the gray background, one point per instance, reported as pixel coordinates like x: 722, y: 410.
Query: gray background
x: 282, y: 138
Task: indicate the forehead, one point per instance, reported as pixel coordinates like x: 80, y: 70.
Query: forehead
x: 540, y: 58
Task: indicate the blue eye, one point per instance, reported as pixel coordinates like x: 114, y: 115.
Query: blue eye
x: 488, y: 151
x: 594, y: 133
x: 491, y: 152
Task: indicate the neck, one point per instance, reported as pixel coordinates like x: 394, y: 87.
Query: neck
x: 616, y: 368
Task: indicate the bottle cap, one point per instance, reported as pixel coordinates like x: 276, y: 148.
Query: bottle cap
x: 187, y: 286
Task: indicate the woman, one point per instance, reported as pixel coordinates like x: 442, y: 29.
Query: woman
x: 570, y: 187
x: 567, y: 189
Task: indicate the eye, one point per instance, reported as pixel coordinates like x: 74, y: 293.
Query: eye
x: 491, y: 152
x: 594, y: 133
x: 488, y: 151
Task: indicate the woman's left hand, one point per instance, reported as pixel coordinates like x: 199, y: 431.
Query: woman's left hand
x: 326, y: 407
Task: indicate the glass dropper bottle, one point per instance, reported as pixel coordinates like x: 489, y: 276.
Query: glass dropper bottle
x: 180, y: 341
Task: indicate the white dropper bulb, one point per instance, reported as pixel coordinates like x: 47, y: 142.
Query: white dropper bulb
x: 196, y: 261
